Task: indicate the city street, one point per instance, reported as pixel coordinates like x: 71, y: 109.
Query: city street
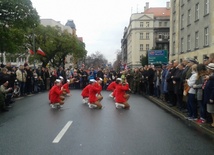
x: 31, y: 127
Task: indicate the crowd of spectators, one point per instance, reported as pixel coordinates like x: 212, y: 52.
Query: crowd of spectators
x: 186, y: 85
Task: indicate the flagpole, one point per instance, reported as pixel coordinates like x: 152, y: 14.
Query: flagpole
x: 34, y: 49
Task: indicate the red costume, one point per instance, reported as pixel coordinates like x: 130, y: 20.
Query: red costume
x: 120, y: 93
x: 66, y: 87
x: 54, y: 94
x: 112, y: 86
x: 94, y: 89
x: 85, y: 91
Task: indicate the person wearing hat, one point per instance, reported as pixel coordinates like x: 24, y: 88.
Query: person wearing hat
x: 121, y: 97
x: 85, y: 91
x: 94, y: 100
x: 55, y: 95
x: 209, y: 92
x: 65, y: 87
x: 113, y: 86
x: 99, y: 85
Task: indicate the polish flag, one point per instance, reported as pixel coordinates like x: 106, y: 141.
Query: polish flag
x: 30, y: 51
x: 40, y: 52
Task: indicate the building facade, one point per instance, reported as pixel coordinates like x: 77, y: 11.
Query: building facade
x: 191, y: 33
x: 146, y: 30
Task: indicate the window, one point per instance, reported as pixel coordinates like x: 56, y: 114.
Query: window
x: 147, y: 47
x: 147, y: 35
x: 206, y: 7
x: 159, y: 35
x: 141, y: 47
x: 173, y: 52
x: 141, y: 24
x: 206, y: 36
x: 182, y: 45
x: 188, y: 43
x: 182, y: 20
x: 165, y: 46
x: 197, y: 11
x: 160, y: 24
x: 147, y: 24
x: 141, y: 36
x: 166, y: 35
x: 165, y: 24
x: 189, y: 17
x: 196, y: 39
x: 174, y: 26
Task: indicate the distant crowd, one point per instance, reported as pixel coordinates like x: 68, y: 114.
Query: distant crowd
x: 187, y: 85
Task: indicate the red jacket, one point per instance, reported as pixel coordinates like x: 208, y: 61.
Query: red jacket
x: 85, y: 91
x: 94, y: 89
x: 99, y: 87
x: 66, y: 87
x: 54, y: 94
x: 120, y: 92
x: 112, y: 86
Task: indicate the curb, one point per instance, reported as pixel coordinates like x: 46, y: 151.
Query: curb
x: 202, y: 127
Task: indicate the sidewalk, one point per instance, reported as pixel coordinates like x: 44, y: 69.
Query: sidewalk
x: 173, y: 110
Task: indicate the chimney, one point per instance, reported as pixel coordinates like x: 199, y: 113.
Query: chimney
x: 167, y: 5
x: 147, y: 5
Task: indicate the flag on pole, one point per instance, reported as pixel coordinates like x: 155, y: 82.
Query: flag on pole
x: 30, y: 51
x: 40, y: 52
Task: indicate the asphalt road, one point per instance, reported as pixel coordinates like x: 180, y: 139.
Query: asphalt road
x: 31, y: 128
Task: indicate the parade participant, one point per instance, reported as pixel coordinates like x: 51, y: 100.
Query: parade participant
x: 112, y: 87
x: 121, y: 96
x: 65, y: 87
x: 61, y: 80
x: 85, y: 92
x: 99, y: 85
x: 94, y: 100
x: 55, y: 95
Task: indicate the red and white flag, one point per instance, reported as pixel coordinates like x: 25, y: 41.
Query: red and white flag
x: 40, y: 52
x: 30, y: 51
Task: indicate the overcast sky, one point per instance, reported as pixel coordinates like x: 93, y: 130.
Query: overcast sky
x: 100, y: 22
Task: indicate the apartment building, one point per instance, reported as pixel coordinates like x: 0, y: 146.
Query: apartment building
x: 146, y: 30
x: 192, y: 30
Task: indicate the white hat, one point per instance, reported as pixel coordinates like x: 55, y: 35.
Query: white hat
x: 100, y: 79
x: 61, y: 77
x: 92, y: 80
x: 68, y: 81
x: 119, y: 79
x: 58, y: 80
x: 211, y: 66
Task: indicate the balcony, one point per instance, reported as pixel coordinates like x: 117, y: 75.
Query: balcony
x: 162, y: 40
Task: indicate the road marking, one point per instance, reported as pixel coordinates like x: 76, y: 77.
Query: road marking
x: 62, y: 132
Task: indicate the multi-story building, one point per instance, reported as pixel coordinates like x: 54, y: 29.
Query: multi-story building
x: 192, y: 30
x: 146, y: 30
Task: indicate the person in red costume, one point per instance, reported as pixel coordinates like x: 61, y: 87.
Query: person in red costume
x: 122, y: 97
x: 99, y: 85
x: 85, y: 92
x: 113, y: 86
x: 94, y: 100
x: 66, y: 88
x: 55, y: 95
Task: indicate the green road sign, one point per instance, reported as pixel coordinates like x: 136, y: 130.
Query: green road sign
x: 157, y: 56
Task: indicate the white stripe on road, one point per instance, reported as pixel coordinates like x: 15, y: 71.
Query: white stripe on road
x: 62, y: 132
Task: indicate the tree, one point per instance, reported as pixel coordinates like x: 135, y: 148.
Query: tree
x: 117, y: 63
x: 96, y: 60
x: 56, y: 44
x: 144, y: 60
x: 15, y: 17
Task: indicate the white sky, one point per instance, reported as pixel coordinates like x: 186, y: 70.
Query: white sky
x: 100, y: 22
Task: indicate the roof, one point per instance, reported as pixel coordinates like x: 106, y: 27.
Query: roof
x: 158, y: 12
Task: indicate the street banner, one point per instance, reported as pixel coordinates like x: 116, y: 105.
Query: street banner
x: 157, y: 56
